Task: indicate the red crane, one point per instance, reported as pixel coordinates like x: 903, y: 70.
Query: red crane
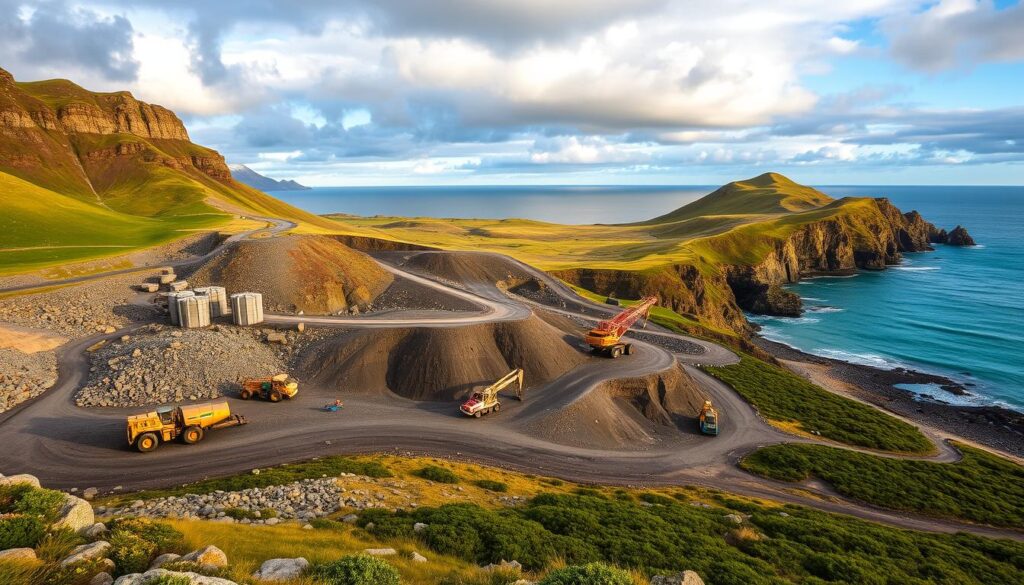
x: 605, y: 338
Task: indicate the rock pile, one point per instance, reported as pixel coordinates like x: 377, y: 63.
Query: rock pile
x: 24, y: 376
x: 162, y: 364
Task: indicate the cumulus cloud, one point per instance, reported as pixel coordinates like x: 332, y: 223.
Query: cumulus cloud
x: 54, y: 36
x: 957, y: 33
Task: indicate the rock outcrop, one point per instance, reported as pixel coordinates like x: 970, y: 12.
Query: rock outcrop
x: 281, y: 569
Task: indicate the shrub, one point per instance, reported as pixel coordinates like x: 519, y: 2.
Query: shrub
x: 194, y: 567
x: 41, y: 502
x: 21, y: 531
x: 438, y: 474
x: 239, y: 513
x: 356, y: 570
x: 491, y: 485
x: 58, y: 544
x: 589, y: 574
x: 163, y: 536
x: 130, y: 552
x: 10, y: 494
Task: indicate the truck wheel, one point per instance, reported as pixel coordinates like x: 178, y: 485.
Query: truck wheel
x: 629, y: 349
x: 616, y: 352
x: 497, y: 407
x: 245, y: 394
x: 477, y: 414
x: 192, y: 435
x: 147, y: 442
x: 275, y: 396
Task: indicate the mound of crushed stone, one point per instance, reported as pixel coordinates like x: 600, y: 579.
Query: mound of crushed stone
x: 317, y: 275
x: 625, y: 413
x: 468, y: 267
x: 161, y: 364
x: 440, y: 363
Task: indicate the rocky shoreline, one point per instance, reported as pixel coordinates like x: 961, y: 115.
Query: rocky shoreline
x: 992, y: 426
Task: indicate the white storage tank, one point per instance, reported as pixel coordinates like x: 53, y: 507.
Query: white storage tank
x: 172, y: 304
x: 219, y: 304
x: 247, y: 308
x: 194, y: 311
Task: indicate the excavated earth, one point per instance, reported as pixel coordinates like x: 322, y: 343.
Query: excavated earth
x: 627, y: 412
x: 313, y: 274
x: 440, y: 364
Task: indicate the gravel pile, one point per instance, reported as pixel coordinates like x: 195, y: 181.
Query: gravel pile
x: 164, y: 364
x: 25, y: 375
x: 84, y: 309
x: 404, y: 294
x: 302, y: 500
x: 673, y: 344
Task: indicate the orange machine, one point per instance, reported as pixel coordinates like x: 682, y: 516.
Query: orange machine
x: 606, y: 337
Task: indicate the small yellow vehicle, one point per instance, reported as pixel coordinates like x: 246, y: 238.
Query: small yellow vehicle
x: 273, y: 389
x: 190, y: 422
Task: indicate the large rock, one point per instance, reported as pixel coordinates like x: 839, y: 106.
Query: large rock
x: 76, y: 514
x: 18, y: 554
x: 209, y: 556
x: 101, y: 579
x: 86, y: 552
x: 95, y: 531
x: 163, y: 560
x: 281, y: 569
x: 154, y: 575
x: 380, y: 552
x: 960, y: 237
x: 684, y: 578
x: 20, y: 478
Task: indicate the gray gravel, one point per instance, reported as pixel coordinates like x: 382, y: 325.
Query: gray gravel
x: 163, y: 364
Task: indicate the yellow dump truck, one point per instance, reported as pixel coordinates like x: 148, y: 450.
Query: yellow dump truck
x: 273, y: 389
x: 190, y: 422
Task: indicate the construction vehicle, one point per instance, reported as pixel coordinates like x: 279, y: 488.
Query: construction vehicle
x: 708, y: 419
x: 485, y: 399
x: 606, y: 338
x: 190, y: 423
x: 273, y: 389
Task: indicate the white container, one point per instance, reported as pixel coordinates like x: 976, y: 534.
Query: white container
x: 219, y: 304
x: 247, y: 308
x: 194, y: 311
x: 172, y: 304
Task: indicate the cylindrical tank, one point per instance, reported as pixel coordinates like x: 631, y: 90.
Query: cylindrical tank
x: 194, y: 311
x: 205, y: 414
x: 172, y: 304
x: 219, y: 304
x: 247, y: 308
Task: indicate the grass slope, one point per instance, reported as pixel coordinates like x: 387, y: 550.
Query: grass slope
x: 980, y: 488
x: 794, y: 404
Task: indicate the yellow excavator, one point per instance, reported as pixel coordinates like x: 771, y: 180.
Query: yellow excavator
x: 485, y: 399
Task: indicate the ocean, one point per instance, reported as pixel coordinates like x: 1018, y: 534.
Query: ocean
x: 958, y: 312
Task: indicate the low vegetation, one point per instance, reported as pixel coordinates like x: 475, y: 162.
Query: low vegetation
x: 491, y: 485
x: 356, y: 570
x: 437, y: 474
x: 795, y: 404
x: 980, y: 488
x: 589, y: 574
x: 26, y: 513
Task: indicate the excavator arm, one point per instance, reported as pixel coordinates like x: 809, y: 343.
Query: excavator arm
x: 607, y: 333
x: 513, y: 377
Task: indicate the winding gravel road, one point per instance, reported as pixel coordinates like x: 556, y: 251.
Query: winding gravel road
x: 67, y: 446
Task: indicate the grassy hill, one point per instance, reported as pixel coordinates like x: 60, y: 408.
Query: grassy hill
x: 87, y: 175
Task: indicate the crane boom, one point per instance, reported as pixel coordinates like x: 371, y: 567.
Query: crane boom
x: 605, y: 337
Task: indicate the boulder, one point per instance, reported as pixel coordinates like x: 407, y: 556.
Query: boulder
x: 163, y: 560
x: 349, y: 518
x: 960, y: 237
x: 86, y: 552
x: 417, y: 557
x: 281, y: 569
x: 76, y: 514
x: 683, y: 578
x: 95, y: 531
x: 20, y: 478
x: 156, y: 575
x: 209, y: 556
x: 734, y: 518
x: 419, y: 527
x: 18, y: 554
x: 101, y: 579
x: 505, y: 566
x: 380, y: 552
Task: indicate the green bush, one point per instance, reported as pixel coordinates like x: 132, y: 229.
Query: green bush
x: 438, y: 474
x: 491, y: 485
x: 21, y: 531
x: 781, y: 395
x: 130, y: 552
x: 239, y: 513
x: 356, y: 570
x: 22, y: 498
x: 180, y: 566
x: 163, y: 536
x: 589, y: 574
x: 58, y: 544
x: 981, y: 487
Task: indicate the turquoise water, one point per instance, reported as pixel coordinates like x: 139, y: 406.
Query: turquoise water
x: 955, y: 311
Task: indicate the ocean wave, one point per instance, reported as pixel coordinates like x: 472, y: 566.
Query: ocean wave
x: 824, y: 309
x: 864, y: 359
x: 763, y: 319
x: 915, y: 268
x: 812, y: 299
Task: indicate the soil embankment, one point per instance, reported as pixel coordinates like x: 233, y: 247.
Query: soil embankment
x: 314, y: 274
x: 440, y: 364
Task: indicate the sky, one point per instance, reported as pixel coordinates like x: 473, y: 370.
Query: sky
x: 408, y: 92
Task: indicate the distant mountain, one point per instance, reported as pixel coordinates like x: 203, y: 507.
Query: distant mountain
x: 244, y: 174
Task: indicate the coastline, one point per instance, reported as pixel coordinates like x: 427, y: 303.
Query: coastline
x: 995, y: 427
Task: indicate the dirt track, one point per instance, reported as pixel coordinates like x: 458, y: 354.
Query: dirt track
x: 67, y: 446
